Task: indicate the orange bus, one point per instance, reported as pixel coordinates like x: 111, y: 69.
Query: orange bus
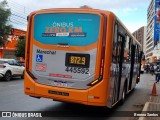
x: 84, y: 56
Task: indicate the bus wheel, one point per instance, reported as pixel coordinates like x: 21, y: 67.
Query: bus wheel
x: 123, y: 95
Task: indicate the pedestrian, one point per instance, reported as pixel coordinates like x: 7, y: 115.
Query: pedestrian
x: 152, y: 69
x: 147, y: 68
x: 157, y: 74
x: 155, y: 67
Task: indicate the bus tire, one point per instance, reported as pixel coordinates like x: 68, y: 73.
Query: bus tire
x: 123, y: 95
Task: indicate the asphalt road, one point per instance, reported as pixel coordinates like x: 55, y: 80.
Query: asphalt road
x: 12, y: 98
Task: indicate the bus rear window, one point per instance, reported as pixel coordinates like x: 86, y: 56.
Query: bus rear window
x: 74, y: 29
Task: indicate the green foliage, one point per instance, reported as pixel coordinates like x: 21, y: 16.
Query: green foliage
x: 4, y: 26
x: 20, y: 48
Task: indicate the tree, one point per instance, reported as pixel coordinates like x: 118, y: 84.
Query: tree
x: 20, y: 48
x: 4, y: 26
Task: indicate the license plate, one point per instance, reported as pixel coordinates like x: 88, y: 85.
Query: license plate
x: 58, y: 93
x: 77, y: 60
x: 59, y: 84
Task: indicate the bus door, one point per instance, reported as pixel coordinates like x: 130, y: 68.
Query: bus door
x: 132, y: 66
x: 119, y: 61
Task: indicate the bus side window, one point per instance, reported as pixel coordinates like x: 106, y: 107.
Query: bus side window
x: 137, y: 53
x: 130, y: 48
x: 119, y: 48
x: 114, y: 59
x: 126, y: 50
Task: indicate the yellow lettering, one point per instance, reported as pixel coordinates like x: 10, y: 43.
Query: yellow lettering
x: 75, y: 60
x: 78, y: 60
x: 51, y: 30
x: 63, y: 29
x: 60, y: 30
x: 47, y: 29
x: 72, y: 60
x: 76, y: 29
x: 70, y: 29
x: 83, y: 60
x: 56, y: 30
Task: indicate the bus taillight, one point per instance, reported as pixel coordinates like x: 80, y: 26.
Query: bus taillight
x: 101, y: 69
x: 102, y: 55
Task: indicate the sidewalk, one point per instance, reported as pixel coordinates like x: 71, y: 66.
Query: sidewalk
x: 152, y: 105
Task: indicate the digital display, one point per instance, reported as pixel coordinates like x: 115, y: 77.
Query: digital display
x: 77, y: 60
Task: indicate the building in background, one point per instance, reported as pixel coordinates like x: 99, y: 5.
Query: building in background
x: 9, y: 49
x: 140, y: 35
x: 153, y: 32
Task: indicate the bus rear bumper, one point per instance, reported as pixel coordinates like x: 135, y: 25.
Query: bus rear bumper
x: 78, y: 96
x: 91, y: 96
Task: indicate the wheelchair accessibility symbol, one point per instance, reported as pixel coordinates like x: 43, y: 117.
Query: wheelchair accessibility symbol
x: 39, y: 58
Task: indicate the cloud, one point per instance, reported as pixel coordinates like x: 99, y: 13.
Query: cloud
x: 126, y: 10
x: 104, y: 4
x: 134, y: 26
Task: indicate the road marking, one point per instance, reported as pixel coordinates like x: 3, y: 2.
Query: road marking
x: 144, y: 109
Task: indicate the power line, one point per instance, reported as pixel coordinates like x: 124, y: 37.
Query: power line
x: 18, y: 16
x: 25, y: 23
x: 17, y: 22
x: 18, y: 6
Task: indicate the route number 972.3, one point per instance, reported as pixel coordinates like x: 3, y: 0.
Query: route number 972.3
x: 77, y: 70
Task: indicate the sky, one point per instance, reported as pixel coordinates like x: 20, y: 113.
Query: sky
x: 132, y: 13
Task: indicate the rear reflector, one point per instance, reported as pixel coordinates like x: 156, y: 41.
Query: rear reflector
x: 94, y: 82
x: 93, y: 97
x: 31, y: 89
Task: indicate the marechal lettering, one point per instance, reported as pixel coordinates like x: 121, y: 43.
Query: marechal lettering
x: 46, y: 52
